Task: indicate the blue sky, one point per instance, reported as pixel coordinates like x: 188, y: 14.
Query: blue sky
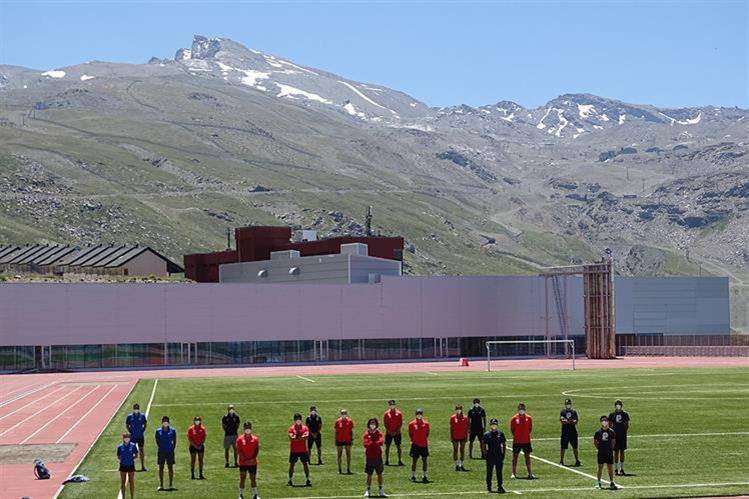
x: 668, y: 53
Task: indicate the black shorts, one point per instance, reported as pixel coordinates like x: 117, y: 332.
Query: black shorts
x: 419, y: 451
x: 607, y: 458
x: 314, y: 440
x: 343, y: 444
x: 569, y: 439
x: 299, y: 456
x: 128, y: 468
x: 526, y: 448
x: 197, y: 450
x: 374, y: 466
x: 138, y: 441
x: 252, y: 470
x: 621, y: 442
x: 166, y: 458
x: 393, y: 438
x: 476, y: 433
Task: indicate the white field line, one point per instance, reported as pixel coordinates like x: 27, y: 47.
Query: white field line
x: 93, y: 442
x: 32, y: 402
x: 306, y: 379
x: 22, y: 395
x: 433, y: 374
x: 87, y: 413
x: 531, y: 491
x: 148, y: 410
x: 668, y: 435
x: 573, y: 470
x: 80, y: 399
x: 40, y: 410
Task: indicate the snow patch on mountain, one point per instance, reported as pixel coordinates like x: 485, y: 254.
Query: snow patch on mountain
x: 289, y: 91
x: 85, y: 77
x: 689, y: 121
x: 585, y: 110
x: 541, y: 124
x: 54, y: 73
x: 360, y: 94
x: 251, y: 78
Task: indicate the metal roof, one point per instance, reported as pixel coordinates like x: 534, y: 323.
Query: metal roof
x: 37, y: 255
x: 88, y: 255
x: 90, y: 262
x: 106, y: 262
x: 71, y: 257
x: 56, y: 255
x: 20, y: 253
x: 7, y: 250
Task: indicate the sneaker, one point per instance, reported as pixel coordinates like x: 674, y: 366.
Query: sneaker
x: 424, y: 479
x: 348, y: 472
x: 531, y: 477
x: 256, y: 496
x: 192, y: 477
x: 308, y: 483
x: 598, y: 485
x: 143, y: 468
x: 226, y: 465
x: 201, y: 477
x: 290, y: 483
x: 502, y: 490
x: 340, y: 472
x: 488, y: 487
x: 160, y: 488
x: 236, y: 465
x: 513, y: 476
x: 462, y: 468
x: 622, y: 473
x: 387, y: 462
x: 382, y: 493
x: 413, y: 478
x: 578, y: 463
x: 366, y: 493
x: 400, y: 463
x: 457, y: 468
x: 319, y: 462
x: 613, y: 486
x: 241, y: 496
x: 561, y: 463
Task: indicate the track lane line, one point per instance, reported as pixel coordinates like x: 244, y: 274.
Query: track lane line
x: 30, y: 403
x: 40, y: 410
x: 60, y: 414
x: 148, y: 410
x: 30, y: 392
x: 87, y: 413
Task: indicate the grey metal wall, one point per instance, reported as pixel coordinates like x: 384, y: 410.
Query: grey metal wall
x: 672, y: 305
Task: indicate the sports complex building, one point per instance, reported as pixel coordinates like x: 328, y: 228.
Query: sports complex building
x: 337, y: 300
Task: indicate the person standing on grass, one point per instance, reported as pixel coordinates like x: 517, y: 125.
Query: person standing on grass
x: 136, y: 425
x: 127, y: 451
x: 344, y: 438
x: 248, y: 447
x: 477, y: 416
x: 314, y: 423
x: 418, y: 430
x: 196, y: 438
x: 568, y: 418
x: 393, y: 421
x: 521, y: 426
x: 620, y: 421
x: 494, y: 448
x: 166, y: 442
x: 298, y: 451
x: 230, y: 424
x: 458, y: 436
x: 373, y: 440
x: 605, y: 441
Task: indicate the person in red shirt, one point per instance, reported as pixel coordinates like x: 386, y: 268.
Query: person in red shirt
x: 298, y: 451
x: 196, y: 439
x: 248, y: 447
x: 393, y: 420
x: 521, y: 426
x: 459, y: 435
x: 418, y: 430
x: 344, y: 437
x: 373, y: 439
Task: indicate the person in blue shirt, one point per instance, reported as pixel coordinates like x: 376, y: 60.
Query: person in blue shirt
x: 127, y: 451
x: 136, y: 426
x: 166, y: 442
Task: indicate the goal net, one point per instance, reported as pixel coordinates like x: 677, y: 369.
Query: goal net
x: 506, y: 349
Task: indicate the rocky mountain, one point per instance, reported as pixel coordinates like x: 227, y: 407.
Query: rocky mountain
x: 173, y: 151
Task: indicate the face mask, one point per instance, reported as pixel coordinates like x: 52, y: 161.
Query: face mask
x: 392, y: 407
x: 568, y: 406
x: 248, y: 431
x: 297, y: 422
x: 136, y: 411
x: 313, y: 413
x: 165, y: 425
x: 476, y: 406
x: 197, y: 422
x: 459, y: 411
x: 231, y: 411
x: 419, y: 417
x: 344, y: 416
x: 521, y: 411
x: 604, y: 425
x: 618, y: 407
x: 494, y: 427
x: 372, y: 427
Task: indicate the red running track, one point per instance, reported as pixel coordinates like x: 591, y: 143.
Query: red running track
x: 78, y: 413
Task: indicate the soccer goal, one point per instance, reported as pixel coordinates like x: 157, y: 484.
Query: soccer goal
x: 529, y: 348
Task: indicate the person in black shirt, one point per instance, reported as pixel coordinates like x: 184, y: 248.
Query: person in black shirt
x: 314, y: 424
x: 605, y: 440
x: 568, y: 417
x: 494, y: 447
x: 477, y: 418
x: 619, y: 419
x: 230, y: 423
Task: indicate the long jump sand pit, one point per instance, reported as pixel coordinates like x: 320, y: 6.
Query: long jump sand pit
x: 25, y: 454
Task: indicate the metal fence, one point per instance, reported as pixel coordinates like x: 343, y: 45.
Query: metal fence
x: 684, y: 345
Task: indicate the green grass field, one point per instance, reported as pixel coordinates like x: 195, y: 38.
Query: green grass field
x: 689, y: 433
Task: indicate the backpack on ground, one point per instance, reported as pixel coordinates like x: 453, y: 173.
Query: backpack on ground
x: 40, y: 471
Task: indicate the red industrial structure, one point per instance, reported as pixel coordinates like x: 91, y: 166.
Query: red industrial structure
x: 256, y: 243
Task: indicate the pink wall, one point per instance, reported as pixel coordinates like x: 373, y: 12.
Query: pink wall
x: 56, y: 314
